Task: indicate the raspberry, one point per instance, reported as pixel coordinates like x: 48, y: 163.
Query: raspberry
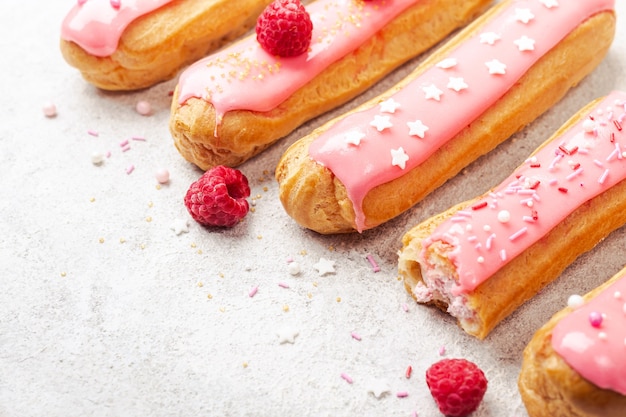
x: 457, y: 385
x: 218, y: 198
x: 284, y: 28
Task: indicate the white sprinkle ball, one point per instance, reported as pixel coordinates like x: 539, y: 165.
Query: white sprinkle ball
x: 487, y: 228
x: 293, y: 268
x: 480, y: 260
x: 49, y: 109
x: 162, y: 176
x: 97, y: 158
x: 504, y: 216
x: 589, y: 125
x: 617, y: 295
x: 602, y: 336
x: 575, y: 301
x: 143, y: 108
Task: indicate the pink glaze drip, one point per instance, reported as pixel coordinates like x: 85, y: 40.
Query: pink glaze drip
x: 554, y: 182
x: 598, y: 354
x: 245, y: 77
x: 97, y: 25
x: 444, y: 110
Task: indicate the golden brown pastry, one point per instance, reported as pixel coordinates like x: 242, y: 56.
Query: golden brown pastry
x: 501, y: 72
x: 575, y: 365
x: 483, y: 258
x: 133, y: 44
x: 234, y: 104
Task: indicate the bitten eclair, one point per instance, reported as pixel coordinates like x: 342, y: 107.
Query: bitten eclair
x: 483, y: 258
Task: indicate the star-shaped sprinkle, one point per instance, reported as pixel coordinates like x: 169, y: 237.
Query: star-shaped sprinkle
x: 550, y: 3
x: 524, y: 15
x: 457, y: 84
x: 496, y: 67
x: 399, y: 157
x: 378, y: 387
x: 389, y: 106
x: 525, y: 43
x: 354, y: 138
x: 381, y: 122
x: 432, y: 92
x: 287, y: 335
x: 417, y: 128
x: 180, y: 226
x: 324, y: 266
x: 447, y: 63
x: 489, y: 38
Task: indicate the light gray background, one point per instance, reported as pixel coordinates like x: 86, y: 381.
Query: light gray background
x: 150, y: 323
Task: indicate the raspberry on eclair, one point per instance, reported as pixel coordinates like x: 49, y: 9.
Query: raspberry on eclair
x: 133, y: 44
x: 481, y: 259
x: 575, y: 365
x: 235, y: 103
x: 496, y: 76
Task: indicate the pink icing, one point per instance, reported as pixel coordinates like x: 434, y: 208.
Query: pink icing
x: 473, y: 77
x: 598, y: 354
x: 586, y: 160
x: 97, y: 25
x: 245, y: 77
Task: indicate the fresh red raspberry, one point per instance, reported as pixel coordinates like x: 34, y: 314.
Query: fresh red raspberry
x: 218, y: 197
x: 284, y: 28
x: 457, y: 385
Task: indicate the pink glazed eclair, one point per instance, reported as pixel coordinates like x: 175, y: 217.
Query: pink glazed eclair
x: 133, y: 44
x: 232, y: 105
x: 575, y: 365
x: 483, y: 258
x: 496, y: 76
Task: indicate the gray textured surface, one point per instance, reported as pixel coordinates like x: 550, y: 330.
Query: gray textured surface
x: 105, y: 311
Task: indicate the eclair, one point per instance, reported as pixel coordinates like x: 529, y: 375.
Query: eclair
x: 575, y: 365
x: 133, y: 44
x: 230, y: 106
x: 497, y: 75
x: 481, y: 259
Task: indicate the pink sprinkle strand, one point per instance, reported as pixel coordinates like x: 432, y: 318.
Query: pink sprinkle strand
x: 283, y: 285
x: 130, y: 169
x: 346, y: 378
x: 92, y: 133
x: 355, y: 336
x: 372, y: 262
x: 402, y: 394
x: 253, y: 291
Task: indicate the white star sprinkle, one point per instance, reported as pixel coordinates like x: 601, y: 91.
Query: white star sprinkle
x: 432, y: 92
x: 378, y: 387
x: 447, y: 63
x: 399, y: 157
x: 180, y: 226
x: 457, y: 84
x: 325, y: 266
x: 496, y: 67
x: 489, y: 38
x: 287, y: 335
x: 389, y: 106
x: 381, y: 122
x: 524, y: 15
x: 550, y: 3
x: 417, y: 128
x: 354, y: 138
x: 525, y: 43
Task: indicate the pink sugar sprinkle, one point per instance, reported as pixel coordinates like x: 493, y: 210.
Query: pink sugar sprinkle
x: 116, y: 4
x: 442, y: 350
x: 283, y: 285
x: 124, y: 143
x: 355, y: 336
x: 372, y: 262
x: 253, y: 291
x: 346, y: 377
x: 595, y: 319
x: 405, y: 307
x: 402, y: 394
x: 139, y: 138
x: 130, y: 169
x: 92, y: 133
